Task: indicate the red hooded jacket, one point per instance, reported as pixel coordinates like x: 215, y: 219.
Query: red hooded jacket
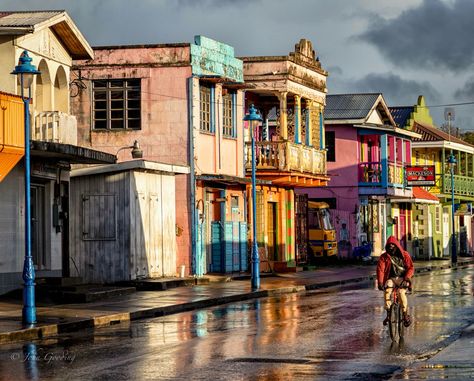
x: 384, y: 264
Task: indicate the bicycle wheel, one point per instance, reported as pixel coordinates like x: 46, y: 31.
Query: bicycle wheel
x: 401, y: 326
x: 393, y: 323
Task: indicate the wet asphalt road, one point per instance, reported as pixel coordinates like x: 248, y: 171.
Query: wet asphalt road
x: 333, y: 334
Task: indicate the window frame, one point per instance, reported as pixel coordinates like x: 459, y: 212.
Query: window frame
x: 112, y: 85
x: 229, y: 114
x: 205, y: 113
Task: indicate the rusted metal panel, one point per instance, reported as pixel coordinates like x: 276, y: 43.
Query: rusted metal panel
x: 12, y: 134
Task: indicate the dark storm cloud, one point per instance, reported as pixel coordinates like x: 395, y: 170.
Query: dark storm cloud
x: 467, y: 91
x: 434, y: 35
x: 396, y: 90
x: 214, y: 3
x: 334, y: 70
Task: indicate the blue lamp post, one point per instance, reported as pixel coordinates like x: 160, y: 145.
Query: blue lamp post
x: 452, y: 163
x: 25, y: 72
x: 254, y: 118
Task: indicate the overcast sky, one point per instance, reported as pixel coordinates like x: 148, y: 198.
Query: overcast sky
x: 400, y: 48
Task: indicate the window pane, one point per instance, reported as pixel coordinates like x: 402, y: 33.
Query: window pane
x: 116, y: 83
x: 116, y: 104
x: 100, y: 124
x: 116, y: 94
x: 133, y: 104
x: 114, y: 114
x: 134, y: 123
x: 134, y: 114
x: 116, y: 124
x: 99, y: 84
x: 100, y: 115
x: 100, y: 95
x: 133, y: 94
x: 100, y: 105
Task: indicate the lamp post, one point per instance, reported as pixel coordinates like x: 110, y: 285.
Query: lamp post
x: 254, y: 118
x: 25, y: 72
x: 452, y: 162
x: 449, y: 116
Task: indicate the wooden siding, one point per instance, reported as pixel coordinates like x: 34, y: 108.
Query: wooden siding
x: 143, y: 243
x: 95, y: 259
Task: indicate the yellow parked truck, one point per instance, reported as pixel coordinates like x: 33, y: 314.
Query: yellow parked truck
x: 321, y: 234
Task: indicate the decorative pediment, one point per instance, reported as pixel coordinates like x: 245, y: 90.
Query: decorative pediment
x: 305, y: 54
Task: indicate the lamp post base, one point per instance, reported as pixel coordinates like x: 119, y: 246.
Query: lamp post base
x: 29, y: 308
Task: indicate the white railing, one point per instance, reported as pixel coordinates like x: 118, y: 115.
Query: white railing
x: 54, y: 126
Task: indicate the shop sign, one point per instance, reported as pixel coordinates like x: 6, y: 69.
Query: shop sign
x: 420, y: 175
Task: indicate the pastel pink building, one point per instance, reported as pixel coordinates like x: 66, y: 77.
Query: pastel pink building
x: 366, y: 157
x: 183, y: 103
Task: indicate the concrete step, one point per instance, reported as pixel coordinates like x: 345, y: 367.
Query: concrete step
x: 59, y: 281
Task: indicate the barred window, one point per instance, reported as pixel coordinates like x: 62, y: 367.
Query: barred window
x: 205, y: 108
x: 116, y: 104
x: 228, y: 115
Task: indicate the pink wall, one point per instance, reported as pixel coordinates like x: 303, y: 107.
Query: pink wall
x: 163, y: 137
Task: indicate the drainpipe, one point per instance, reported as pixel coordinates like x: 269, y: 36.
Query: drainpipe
x: 192, y: 179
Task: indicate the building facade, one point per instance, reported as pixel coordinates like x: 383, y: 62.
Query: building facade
x: 183, y: 103
x: 434, y: 222
x: 289, y: 91
x: 52, y: 41
x: 367, y: 155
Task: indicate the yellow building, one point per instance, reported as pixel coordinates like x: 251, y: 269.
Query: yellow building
x: 432, y: 224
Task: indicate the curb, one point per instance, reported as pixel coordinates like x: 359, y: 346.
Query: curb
x: 51, y: 330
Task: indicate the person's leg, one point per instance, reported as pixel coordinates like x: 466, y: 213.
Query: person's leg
x: 388, y: 293
x: 404, y: 303
x: 403, y: 299
x: 388, y: 302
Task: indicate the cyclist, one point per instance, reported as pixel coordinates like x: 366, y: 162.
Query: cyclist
x: 395, y: 268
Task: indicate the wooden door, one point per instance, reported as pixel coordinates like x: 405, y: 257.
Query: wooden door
x: 272, y: 231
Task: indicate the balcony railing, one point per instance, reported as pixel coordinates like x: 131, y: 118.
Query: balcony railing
x: 370, y: 174
x: 463, y: 185
x: 396, y: 173
x: 55, y: 126
x: 286, y: 157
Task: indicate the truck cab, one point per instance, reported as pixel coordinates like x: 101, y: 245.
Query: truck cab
x: 321, y: 234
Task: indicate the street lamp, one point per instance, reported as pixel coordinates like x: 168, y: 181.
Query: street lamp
x: 137, y: 152
x: 25, y: 72
x: 452, y: 163
x: 254, y: 118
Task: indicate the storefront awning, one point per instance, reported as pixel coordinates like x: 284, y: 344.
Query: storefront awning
x: 419, y: 196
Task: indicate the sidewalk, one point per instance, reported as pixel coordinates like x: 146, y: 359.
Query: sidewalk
x: 57, y: 319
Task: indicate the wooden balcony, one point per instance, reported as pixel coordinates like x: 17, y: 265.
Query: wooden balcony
x: 371, y: 174
x: 54, y: 126
x: 463, y: 185
x: 288, y: 163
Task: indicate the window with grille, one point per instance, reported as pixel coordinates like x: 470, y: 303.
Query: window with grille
x: 205, y: 108
x: 228, y: 115
x: 116, y: 104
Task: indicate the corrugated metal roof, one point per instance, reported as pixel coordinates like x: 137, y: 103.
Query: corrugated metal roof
x: 25, y: 19
x: 349, y: 106
x: 20, y: 23
x: 433, y: 134
x: 401, y: 114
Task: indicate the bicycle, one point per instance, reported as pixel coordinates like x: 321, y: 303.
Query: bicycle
x: 396, y: 325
